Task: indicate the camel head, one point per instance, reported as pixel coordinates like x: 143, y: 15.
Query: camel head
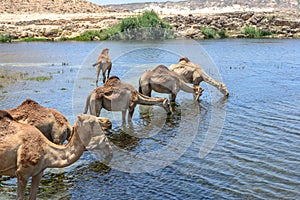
x: 105, y: 123
x: 184, y: 59
x: 197, y: 92
x: 92, y: 136
x: 223, y: 89
x: 105, y: 51
x: 87, y: 126
x: 166, y: 106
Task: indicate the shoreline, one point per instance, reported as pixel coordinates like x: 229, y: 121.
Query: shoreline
x: 55, y: 26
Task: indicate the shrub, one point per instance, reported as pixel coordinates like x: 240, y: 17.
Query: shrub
x: 251, y: 32
x: 88, y: 35
x: 148, y: 19
x: 210, y: 33
x: 5, y: 37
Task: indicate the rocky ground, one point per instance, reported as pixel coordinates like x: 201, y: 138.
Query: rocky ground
x: 53, y: 19
x: 281, y: 25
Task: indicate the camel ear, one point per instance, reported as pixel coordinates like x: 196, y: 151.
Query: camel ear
x: 165, y: 101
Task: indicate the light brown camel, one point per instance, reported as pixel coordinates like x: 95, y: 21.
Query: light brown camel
x: 50, y: 122
x: 116, y: 95
x: 162, y: 80
x: 193, y: 73
x: 103, y: 63
x: 25, y: 152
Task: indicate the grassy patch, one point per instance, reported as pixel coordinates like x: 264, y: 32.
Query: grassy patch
x: 1, y: 86
x: 30, y: 39
x: 252, y: 32
x: 210, y: 33
x: 39, y: 78
x: 4, y: 37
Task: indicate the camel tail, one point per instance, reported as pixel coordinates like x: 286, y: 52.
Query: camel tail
x: 97, y: 63
x: 87, y: 104
x: 140, y: 87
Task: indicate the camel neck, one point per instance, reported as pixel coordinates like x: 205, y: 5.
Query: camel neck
x: 62, y: 156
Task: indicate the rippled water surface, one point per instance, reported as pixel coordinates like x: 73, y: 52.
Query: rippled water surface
x: 243, y: 147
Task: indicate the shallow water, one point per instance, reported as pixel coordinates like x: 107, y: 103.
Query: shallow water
x: 243, y: 147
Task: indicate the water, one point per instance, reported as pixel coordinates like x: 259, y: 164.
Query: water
x: 243, y: 147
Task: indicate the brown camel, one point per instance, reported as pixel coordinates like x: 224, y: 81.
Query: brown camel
x: 50, y: 122
x: 162, y: 80
x: 193, y: 73
x: 115, y: 95
x: 103, y: 63
x: 25, y: 152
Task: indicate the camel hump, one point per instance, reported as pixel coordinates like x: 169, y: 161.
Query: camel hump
x: 113, y: 77
x: 161, y: 67
x: 29, y: 102
x: 4, y: 114
x: 184, y: 59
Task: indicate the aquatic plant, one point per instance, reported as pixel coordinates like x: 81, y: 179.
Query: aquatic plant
x: 39, y: 78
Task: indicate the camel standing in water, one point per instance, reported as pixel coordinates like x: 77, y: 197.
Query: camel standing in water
x: 50, y: 122
x: 115, y: 95
x: 162, y: 80
x: 103, y: 63
x: 193, y: 73
x: 25, y: 152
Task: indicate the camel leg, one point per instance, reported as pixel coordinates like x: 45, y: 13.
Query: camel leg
x: 35, y: 185
x: 22, y: 182
x: 123, y: 116
x: 98, y: 67
x: 173, y: 97
x: 108, y: 71
x: 104, y: 77
x: 130, y: 113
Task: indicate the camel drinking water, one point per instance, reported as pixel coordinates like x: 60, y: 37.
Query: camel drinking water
x: 193, y: 73
x: 116, y: 95
x: 25, y: 152
x: 162, y: 80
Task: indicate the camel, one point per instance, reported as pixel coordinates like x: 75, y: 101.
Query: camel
x: 193, y: 73
x: 162, y: 80
x: 25, y: 152
x: 50, y: 122
x: 116, y: 95
x: 103, y: 63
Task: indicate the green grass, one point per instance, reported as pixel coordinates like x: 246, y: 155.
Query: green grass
x: 148, y: 19
x: 210, y: 33
x: 30, y: 39
x: 4, y: 37
x: 1, y: 86
x: 252, y: 32
x: 39, y: 78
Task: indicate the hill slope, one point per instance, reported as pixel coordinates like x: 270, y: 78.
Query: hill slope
x: 50, y: 6
x: 212, y: 6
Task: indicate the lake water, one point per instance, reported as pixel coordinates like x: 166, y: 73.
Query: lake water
x: 243, y: 147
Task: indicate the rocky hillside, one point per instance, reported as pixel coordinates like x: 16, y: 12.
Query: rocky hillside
x: 211, y: 6
x: 49, y: 6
